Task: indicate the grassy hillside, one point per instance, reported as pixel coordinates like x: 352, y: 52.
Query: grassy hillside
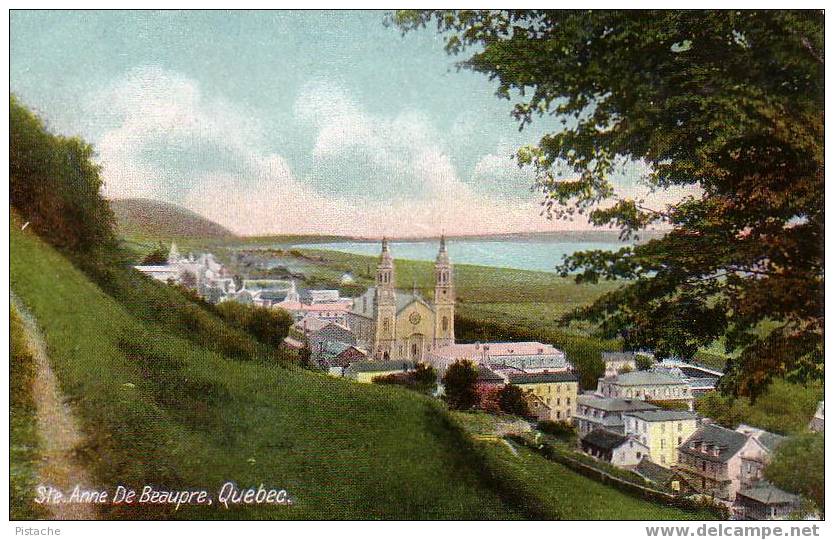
x: 24, y: 454
x: 161, y: 409
x: 155, y: 219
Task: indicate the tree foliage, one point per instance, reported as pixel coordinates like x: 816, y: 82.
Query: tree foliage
x: 269, y: 326
x: 724, y: 105
x: 55, y: 186
x: 158, y: 256
x: 513, y: 400
x: 459, y: 385
x: 798, y: 466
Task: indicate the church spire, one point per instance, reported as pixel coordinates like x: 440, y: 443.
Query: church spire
x: 385, y: 273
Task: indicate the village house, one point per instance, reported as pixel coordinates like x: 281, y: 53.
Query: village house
x: 558, y: 390
x: 765, y: 501
x: 662, y: 431
x: 593, y: 412
x: 753, y: 464
x: 336, y: 354
x: 618, y: 362
x: 614, y: 448
x: 712, y: 458
x: 647, y: 386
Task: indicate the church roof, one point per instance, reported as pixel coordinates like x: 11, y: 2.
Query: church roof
x: 401, y: 299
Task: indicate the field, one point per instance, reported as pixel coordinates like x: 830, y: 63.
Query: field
x: 161, y: 409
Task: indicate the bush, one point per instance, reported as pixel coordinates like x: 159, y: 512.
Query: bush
x: 561, y: 430
x: 423, y: 379
x: 269, y: 326
x: 489, y: 396
x: 513, y: 401
x: 459, y: 383
x: 157, y: 256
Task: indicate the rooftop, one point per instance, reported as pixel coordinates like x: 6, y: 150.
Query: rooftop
x: 602, y: 438
x: 663, y: 415
x: 497, y: 349
x: 642, y: 378
x: 727, y: 441
x: 615, y: 404
x: 767, y: 493
x: 547, y: 377
x: 653, y: 472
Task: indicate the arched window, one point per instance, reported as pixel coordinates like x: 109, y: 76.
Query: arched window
x: 445, y: 323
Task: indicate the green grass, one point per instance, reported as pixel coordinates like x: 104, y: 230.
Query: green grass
x: 24, y: 454
x: 163, y: 410
x: 569, y: 495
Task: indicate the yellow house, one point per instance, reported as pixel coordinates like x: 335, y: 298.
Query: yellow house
x: 365, y: 372
x: 557, y: 390
x: 663, y: 431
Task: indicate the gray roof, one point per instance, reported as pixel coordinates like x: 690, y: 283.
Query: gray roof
x: 602, y: 438
x: 767, y: 493
x: 640, y: 378
x: 729, y: 442
x: 546, y: 377
x: 402, y: 300
x: 653, y: 472
x: 663, y: 415
x: 615, y: 404
x: 487, y: 375
x: 372, y: 367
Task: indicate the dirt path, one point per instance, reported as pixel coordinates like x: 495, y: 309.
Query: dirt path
x: 57, y: 429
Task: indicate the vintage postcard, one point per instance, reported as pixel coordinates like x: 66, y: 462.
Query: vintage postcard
x: 418, y: 265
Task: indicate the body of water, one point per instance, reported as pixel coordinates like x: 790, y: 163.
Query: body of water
x: 540, y: 255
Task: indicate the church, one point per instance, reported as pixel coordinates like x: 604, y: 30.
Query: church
x: 398, y: 325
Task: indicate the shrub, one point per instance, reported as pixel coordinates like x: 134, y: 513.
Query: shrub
x: 513, y: 400
x: 269, y: 326
x: 423, y: 379
x: 157, y: 256
x: 489, y: 396
x: 561, y: 430
x: 459, y: 383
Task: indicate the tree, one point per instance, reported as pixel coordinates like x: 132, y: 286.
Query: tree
x: 269, y: 326
x: 459, y: 385
x: 724, y: 105
x: 158, y: 256
x: 643, y: 362
x: 798, y: 465
x: 425, y: 378
x: 513, y: 401
x: 55, y: 186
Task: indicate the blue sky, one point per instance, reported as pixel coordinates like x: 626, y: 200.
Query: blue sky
x: 282, y: 122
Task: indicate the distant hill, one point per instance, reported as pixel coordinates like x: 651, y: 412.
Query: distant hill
x: 147, y: 217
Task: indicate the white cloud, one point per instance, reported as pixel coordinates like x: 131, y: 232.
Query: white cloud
x: 371, y: 174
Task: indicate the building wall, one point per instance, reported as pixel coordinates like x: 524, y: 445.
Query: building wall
x: 662, y: 438
x: 629, y: 454
x: 560, y: 397
x: 410, y: 334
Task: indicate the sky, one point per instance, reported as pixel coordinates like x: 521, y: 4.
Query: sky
x: 285, y: 122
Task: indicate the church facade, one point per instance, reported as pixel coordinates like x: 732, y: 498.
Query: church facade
x: 398, y: 325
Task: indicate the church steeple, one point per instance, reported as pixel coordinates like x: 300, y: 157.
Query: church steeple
x: 385, y: 273
x: 444, y: 297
